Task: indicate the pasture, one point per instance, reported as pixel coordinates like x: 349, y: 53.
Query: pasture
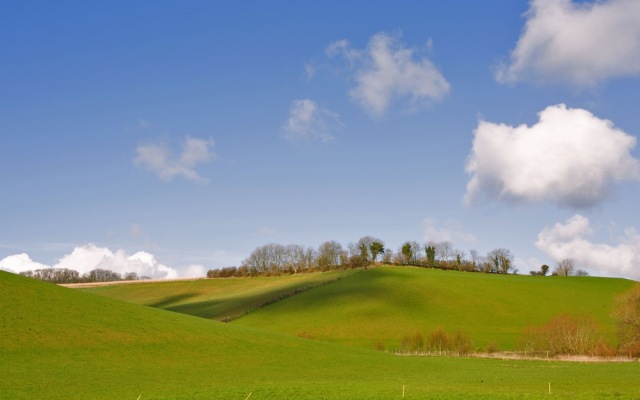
x: 60, y: 343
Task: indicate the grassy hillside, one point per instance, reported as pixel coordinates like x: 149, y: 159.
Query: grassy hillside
x: 384, y: 304
x: 215, y: 298
x: 59, y: 343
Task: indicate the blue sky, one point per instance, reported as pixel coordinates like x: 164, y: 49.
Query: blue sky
x: 174, y: 137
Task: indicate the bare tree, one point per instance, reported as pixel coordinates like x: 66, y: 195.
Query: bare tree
x: 101, y: 275
x: 387, y: 257
x: 444, y: 251
x: 501, y: 260
x: 329, y: 254
x: 476, y: 259
x: 565, y: 267
x: 294, y: 257
x: 54, y: 275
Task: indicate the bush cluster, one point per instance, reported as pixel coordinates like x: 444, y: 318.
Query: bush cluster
x: 437, y: 342
x: 567, y: 335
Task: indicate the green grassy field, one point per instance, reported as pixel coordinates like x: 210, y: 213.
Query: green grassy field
x: 59, y: 343
x: 215, y: 298
x: 386, y: 303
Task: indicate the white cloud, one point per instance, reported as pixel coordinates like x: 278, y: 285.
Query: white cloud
x: 569, y: 240
x: 386, y: 70
x: 569, y: 157
x: 88, y: 257
x: 158, y: 159
x: 450, y: 231
x: 310, y: 70
x: 309, y: 121
x: 193, y: 271
x: 581, y: 43
x: 20, y: 262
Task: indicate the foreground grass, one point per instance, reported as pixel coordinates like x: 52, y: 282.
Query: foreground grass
x: 59, y: 343
x: 384, y: 304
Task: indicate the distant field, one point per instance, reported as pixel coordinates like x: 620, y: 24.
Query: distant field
x: 214, y: 298
x: 386, y: 303
x: 59, y: 343
x: 383, y: 304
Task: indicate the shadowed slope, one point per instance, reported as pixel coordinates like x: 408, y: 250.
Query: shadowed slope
x: 218, y: 299
x: 384, y: 304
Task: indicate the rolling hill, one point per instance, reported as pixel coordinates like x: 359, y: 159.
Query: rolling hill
x: 381, y: 305
x: 219, y: 299
x: 60, y: 343
x: 385, y: 304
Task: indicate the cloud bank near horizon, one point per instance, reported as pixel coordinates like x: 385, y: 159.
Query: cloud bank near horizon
x: 88, y: 257
x: 569, y: 157
x: 570, y: 239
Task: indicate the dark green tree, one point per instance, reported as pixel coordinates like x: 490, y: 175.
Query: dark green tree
x: 430, y: 249
x: 407, y: 252
x: 376, y: 248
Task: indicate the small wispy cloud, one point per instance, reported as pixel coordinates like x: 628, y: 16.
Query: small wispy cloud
x: 158, y: 159
x: 449, y: 231
x: 387, y: 71
x: 143, y: 123
x: 308, y: 121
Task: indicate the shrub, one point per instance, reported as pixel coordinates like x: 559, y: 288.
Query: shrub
x: 461, y: 343
x: 492, y: 347
x: 566, y: 335
x: 413, y: 343
x: 627, y: 315
x: 438, y: 341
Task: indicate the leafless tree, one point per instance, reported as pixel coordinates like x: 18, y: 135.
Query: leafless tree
x: 444, y: 251
x: 501, y: 260
x: 329, y: 254
x: 565, y: 267
x: 387, y: 257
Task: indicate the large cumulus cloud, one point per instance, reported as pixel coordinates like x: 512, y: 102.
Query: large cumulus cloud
x: 569, y: 157
x: 576, y: 42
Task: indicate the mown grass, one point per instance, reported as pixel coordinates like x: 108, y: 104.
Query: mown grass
x: 59, y: 343
x: 384, y: 304
x: 218, y: 299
